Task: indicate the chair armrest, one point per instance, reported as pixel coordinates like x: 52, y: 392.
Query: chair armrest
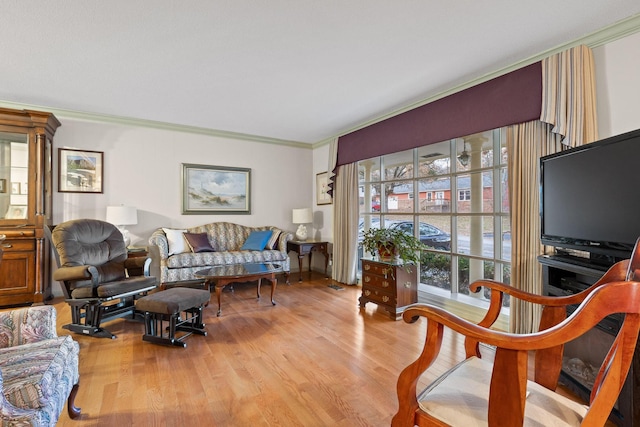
x: 79, y: 272
x: 27, y: 325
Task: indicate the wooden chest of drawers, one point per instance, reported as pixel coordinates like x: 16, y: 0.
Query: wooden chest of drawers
x: 391, y: 286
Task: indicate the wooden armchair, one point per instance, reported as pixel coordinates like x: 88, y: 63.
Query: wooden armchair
x: 478, y: 392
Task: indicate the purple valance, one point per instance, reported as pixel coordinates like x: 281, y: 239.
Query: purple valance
x: 515, y: 97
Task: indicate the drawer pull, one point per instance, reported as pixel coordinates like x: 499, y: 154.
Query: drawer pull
x: 385, y: 284
x: 367, y: 267
x: 367, y: 292
x: 6, y: 245
x: 407, y: 285
x: 385, y: 298
x: 367, y: 279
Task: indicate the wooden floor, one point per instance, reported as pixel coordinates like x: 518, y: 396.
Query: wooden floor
x: 314, y: 359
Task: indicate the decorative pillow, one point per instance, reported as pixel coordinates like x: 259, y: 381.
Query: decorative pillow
x: 198, y: 242
x: 256, y: 241
x: 273, y: 240
x: 177, y: 243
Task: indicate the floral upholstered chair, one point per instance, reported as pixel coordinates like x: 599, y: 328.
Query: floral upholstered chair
x: 39, y: 369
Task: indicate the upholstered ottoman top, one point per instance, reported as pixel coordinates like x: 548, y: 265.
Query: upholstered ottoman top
x: 173, y: 300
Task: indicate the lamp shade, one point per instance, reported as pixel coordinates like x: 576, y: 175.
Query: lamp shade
x: 122, y: 215
x: 302, y: 216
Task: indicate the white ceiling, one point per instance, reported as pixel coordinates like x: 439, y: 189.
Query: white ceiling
x: 297, y: 70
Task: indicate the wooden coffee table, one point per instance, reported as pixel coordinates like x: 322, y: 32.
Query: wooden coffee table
x: 223, y: 275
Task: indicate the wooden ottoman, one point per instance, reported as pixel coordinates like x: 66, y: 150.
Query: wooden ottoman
x: 167, y: 306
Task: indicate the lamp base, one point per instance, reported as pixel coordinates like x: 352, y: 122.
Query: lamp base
x: 301, y: 233
x: 125, y: 236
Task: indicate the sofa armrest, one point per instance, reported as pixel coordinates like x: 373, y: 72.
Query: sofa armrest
x: 285, y: 236
x: 159, y: 240
x: 27, y: 325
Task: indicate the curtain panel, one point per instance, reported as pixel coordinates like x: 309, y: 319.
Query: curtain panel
x: 569, y: 108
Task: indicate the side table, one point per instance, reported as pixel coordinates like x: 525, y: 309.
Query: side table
x: 303, y: 248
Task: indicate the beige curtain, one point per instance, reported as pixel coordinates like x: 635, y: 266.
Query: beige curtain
x: 526, y: 143
x: 569, y: 116
x: 345, y: 225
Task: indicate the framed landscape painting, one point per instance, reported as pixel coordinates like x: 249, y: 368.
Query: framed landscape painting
x: 215, y: 190
x: 80, y: 171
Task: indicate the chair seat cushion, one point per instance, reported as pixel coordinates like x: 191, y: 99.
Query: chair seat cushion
x: 38, y: 373
x: 112, y: 289
x: 460, y: 397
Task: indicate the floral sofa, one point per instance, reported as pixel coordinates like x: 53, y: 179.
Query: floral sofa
x: 180, y: 253
x: 39, y: 369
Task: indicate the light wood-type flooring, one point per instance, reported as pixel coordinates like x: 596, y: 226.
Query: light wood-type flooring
x: 314, y: 359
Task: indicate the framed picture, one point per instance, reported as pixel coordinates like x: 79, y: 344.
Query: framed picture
x: 215, y: 190
x: 15, y: 188
x: 322, y: 188
x: 80, y: 171
x: 16, y: 212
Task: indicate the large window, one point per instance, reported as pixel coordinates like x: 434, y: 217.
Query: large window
x: 452, y: 195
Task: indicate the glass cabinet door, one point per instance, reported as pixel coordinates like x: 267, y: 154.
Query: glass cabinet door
x: 14, y: 176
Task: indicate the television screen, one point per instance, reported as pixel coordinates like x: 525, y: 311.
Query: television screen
x: 590, y: 196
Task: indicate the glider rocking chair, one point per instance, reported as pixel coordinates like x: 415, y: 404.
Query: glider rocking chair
x: 99, y: 282
x: 477, y: 392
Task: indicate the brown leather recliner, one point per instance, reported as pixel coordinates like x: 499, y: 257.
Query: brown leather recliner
x: 98, y: 280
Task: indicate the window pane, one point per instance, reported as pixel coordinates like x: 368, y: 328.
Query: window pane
x: 434, y: 195
x: 475, y: 235
x: 398, y: 165
x: 475, y: 192
x: 435, y: 270
x: 506, y: 238
x: 435, y: 231
x: 397, y: 197
x: 434, y: 159
x: 504, y: 191
x: 369, y: 170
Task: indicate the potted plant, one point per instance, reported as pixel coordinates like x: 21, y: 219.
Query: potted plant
x: 392, y: 244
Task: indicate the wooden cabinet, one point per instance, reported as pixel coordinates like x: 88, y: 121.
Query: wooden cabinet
x: 391, y: 286
x: 26, y: 139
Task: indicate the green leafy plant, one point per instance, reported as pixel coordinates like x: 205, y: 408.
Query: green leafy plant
x: 396, y: 243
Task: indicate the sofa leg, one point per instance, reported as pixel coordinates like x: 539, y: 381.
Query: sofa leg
x: 72, y: 409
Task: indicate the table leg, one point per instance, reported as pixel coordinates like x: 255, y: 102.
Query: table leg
x: 259, y: 282
x: 219, y: 287
x: 310, y: 256
x: 300, y: 256
x: 274, y: 283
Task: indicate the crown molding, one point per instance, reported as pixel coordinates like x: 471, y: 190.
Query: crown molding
x: 106, y: 118
x: 601, y: 37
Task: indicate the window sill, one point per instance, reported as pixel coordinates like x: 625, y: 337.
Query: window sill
x: 467, y: 307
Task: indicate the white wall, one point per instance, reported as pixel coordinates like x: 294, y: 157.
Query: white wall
x: 617, y: 66
x: 142, y: 168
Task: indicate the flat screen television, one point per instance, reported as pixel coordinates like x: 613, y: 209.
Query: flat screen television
x: 590, y: 197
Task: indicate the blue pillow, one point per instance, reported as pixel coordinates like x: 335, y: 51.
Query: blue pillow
x: 256, y: 241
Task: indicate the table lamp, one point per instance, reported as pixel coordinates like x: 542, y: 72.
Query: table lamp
x: 121, y: 216
x: 302, y: 216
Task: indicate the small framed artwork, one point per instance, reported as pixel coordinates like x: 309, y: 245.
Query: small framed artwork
x: 322, y: 189
x: 3, y: 185
x: 16, y: 212
x: 24, y: 188
x: 80, y: 171
x: 215, y: 190
x: 15, y: 188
